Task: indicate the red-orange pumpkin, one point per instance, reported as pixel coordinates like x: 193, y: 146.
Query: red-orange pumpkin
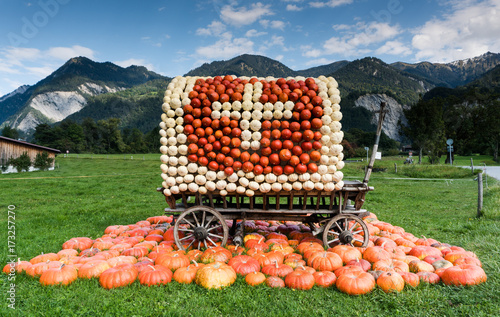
x: 155, y: 275
x: 118, y: 276
x: 464, y: 274
x: 244, y: 264
x: 62, y: 275
x: 391, y: 282
x: 93, y: 268
x: 255, y: 278
x: 355, y: 282
x: 299, y: 280
x: 325, y: 278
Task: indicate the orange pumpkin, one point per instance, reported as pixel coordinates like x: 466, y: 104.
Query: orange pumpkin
x: 62, y: 275
x: 299, y: 280
x: 355, y: 282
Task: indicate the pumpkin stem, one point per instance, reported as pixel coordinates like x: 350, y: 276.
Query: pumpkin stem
x: 195, y: 263
x: 152, y: 267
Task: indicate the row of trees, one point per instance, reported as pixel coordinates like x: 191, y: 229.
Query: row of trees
x: 470, y: 117
x: 103, y: 136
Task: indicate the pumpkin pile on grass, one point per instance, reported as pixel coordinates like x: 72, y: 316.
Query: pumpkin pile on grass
x: 274, y: 254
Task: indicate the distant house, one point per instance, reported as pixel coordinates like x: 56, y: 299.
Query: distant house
x: 10, y: 148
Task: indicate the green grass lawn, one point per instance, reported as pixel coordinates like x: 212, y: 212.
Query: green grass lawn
x: 84, y: 196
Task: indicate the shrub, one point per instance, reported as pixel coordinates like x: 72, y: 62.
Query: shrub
x: 22, y: 163
x: 43, y: 161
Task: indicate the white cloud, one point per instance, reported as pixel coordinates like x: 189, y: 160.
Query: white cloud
x: 319, y: 61
x: 243, y: 15
x: 254, y: 33
x: 331, y: 3
x: 280, y: 25
x: 465, y: 32
x: 65, y: 53
x: 354, y: 40
x: 216, y: 28
x: 226, y: 47
x: 293, y: 7
x: 134, y: 61
x: 394, y: 48
x: 30, y: 65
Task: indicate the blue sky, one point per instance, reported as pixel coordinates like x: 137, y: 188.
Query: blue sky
x: 173, y: 37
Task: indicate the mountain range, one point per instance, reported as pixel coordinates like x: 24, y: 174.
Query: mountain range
x: 83, y: 88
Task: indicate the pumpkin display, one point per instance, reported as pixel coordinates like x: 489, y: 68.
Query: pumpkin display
x: 355, y: 283
x: 391, y: 282
x: 152, y: 261
x: 215, y: 275
x: 118, y: 276
x: 233, y: 113
x: 464, y: 274
x: 62, y: 275
x: 155, y: 275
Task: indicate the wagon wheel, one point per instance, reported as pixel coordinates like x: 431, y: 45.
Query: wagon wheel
x: 201, y: 226
x: 346, y: 229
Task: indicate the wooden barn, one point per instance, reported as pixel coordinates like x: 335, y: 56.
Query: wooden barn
x: 10, y: 148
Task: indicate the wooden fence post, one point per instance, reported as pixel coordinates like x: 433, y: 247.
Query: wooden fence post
x: 472, y: 165
x: 480, y: 194
x: 395, y: 168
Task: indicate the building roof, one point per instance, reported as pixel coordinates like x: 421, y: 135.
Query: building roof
x: 30, y: 144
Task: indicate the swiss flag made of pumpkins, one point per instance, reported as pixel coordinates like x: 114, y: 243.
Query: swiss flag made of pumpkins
x: 243, y: 135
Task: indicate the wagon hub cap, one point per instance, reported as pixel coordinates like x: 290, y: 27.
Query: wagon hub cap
x: 346, y: 237
x: 200, y: 233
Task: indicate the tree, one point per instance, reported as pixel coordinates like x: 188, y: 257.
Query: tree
x: 9, y: 132
x: 43, y: 161
x: 152, y: 140
x: 111, y: 137
x: 45, y: 135
x: 22, y: 163
x: 487, y: 123
x: 91, y: 135
x: 426, y: 128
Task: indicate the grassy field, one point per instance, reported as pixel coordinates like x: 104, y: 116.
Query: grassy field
x: 83, y: 196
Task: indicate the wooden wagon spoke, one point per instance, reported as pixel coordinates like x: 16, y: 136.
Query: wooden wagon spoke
x: 353, y: 226
x: 337, y: 224
x: 190, y: 244
x: 356, y: 232
x: 199, y: 244
x: 216, y: 235
x: 195, y: 219
x: 186, y: 237
x: 208, y: 230
x: 361, y: 241
x: 208, y: 223
x: 334, y: 240
x: 215, y: 244
x: 186, y: 230
x: 184, y: 219
x: 205, y: 243
x: 333, y: 232
x: 203, y: 218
